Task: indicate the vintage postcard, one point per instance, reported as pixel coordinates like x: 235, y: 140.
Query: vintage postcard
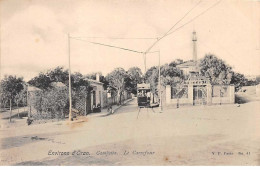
x: 129, y: 82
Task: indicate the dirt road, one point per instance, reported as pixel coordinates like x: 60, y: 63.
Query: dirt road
x: 213, y: 135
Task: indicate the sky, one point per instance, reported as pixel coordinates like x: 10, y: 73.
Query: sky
x: 34, y: 34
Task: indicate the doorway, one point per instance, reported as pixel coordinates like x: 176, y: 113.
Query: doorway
x: 199, y: 95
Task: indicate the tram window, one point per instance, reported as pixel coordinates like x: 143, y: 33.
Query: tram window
x: 143, y: 93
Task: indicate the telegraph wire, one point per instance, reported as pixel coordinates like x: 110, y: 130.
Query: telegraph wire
x: 172, y: 27
x: 118, y: 38
x: 194, y: 17
x: 107, y: 45
x: 157, y: 39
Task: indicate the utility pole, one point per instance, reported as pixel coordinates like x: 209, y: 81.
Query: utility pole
x: 159, y: 80
x: 144, y: 56
x: 27, y: 101
x: 0, y: 57
x: 70, y: 100
x: 160, y: 93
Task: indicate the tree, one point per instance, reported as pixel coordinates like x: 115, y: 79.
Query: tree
x: 170, y: 75
x: 51, y: 103
x: 134, y: 77
x: 257, y: 79
x: 238, y: 80
x: 41, y: 81
x: 151, y: 77
x: 11, y: 86
x: 4, y: 98
x: 176, y: 62
x: 78, y: 81
x: 215, y: 69
x: 44, y: 80
x: 58, y: 74
x: 116, y: 80
x: 20, y: 97
x: 54, y: 98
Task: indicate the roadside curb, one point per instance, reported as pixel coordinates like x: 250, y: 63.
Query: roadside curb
x: 118, y: 107
x: 79, y: 120
x: 108, y: 113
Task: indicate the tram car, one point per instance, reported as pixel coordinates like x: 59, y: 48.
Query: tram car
x: 143, y: 95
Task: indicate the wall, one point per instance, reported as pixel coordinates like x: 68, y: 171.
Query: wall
x: 112, y: 99
x: 223, y: 94
x: 98, y: 88
x: 227, y: 94
x: 257, y: 90
x: 169, y: 101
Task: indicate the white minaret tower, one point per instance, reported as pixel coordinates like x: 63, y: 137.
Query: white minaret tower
x: 194, y: 40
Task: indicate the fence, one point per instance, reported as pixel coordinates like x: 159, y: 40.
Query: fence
x: 19, y: 104
x: 179, y: 92
x: 175, y: 95
x: 54, y: 103
x: 112, y: 98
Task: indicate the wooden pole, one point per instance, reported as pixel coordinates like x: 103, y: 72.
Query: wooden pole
x: 27, y: 101
x: 160, y: 93
x: 85, y: 105
x: 18, y: 108
x: 70, y: 100
x: 144, y: 55
x: 10, y: 110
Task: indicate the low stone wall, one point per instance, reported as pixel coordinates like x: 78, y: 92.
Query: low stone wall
x: 180, y: 101
x: 216, y: 94
x: 222, y: 100
x: 258, y: 90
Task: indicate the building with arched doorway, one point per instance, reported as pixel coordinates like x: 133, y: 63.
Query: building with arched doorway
x: 196, y: 89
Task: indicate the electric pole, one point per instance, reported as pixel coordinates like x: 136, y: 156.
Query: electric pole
x: 70, y: 100
x: 144, y: 56
x: 160, y: 93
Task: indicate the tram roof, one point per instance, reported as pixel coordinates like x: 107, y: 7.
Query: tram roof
x: 143, y: 86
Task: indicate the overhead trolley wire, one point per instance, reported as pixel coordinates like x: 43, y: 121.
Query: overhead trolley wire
x: 169, y: 32
x: 119, y: 38
x: 107, y: 45
x: 195, y: 17
x: 172, y: 27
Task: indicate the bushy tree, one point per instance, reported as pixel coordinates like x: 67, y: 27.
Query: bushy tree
x: 257, y: 81
x: 78, y: 81
x: 58, y: 74
x: 53, y: 98
x: 170, y: 75
x: 4, y: 98
x: 220, y: 73
x: 176, y: 62
x: 151, y: 77
x: 44, y: 80
x: 116, y: 80
x: 11, y: 86
x: 238, y: 80
x: 51, y: 103
x: 216, y: 70
x: 41, y: 81
x: 134, y: 77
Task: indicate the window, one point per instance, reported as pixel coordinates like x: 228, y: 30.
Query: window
x: 179, y: 92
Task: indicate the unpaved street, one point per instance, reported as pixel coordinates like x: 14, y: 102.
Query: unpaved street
x: 213, y: 135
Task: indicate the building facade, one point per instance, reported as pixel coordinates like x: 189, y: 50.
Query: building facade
x: 197, y: 89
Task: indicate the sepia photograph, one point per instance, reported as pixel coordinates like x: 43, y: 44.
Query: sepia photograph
x: 129, y: 83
